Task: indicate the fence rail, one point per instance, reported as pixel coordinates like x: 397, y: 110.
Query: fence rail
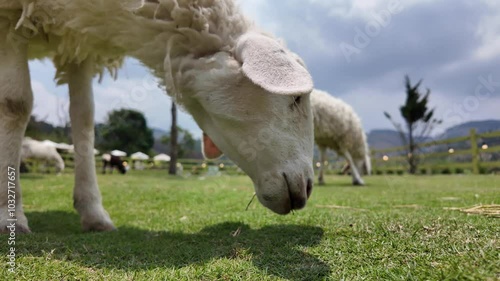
x: 192, y: 166
x: 476, y: 153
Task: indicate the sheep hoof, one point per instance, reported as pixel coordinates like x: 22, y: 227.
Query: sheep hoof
x: 99, y: 222
x: 358, y: 183
x: 98, y: 226
x: 321, y: 183
x: 19, y: 228
x: 23, y: 229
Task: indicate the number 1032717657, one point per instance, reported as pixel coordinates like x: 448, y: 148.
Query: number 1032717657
x: 11, y: 191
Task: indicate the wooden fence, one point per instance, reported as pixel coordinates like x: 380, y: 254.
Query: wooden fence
x: 192, y: 166
x: 475, y: 153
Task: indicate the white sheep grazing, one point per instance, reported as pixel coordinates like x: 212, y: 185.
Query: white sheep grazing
x: 34, y: 149
x: 245, y: 90
x: 338, y: 127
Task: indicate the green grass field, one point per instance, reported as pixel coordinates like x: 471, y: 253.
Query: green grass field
x: 396, y: 228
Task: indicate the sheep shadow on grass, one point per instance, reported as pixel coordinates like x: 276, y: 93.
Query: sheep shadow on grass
x: 337, y: 184
x: 273, y: 249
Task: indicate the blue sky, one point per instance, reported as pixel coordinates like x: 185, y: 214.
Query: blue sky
x: 357, y: 50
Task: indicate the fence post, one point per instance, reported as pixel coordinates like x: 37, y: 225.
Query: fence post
x: 475, y: 151
x: 373, y: 160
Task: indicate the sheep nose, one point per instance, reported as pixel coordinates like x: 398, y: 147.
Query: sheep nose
x: 309, y: 187
x: 298, y: 191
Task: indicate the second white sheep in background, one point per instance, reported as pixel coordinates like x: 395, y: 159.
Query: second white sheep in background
x: 338, y: 127
x: 34, y: 149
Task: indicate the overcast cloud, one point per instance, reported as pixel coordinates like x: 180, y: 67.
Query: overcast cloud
x: 357, y: 50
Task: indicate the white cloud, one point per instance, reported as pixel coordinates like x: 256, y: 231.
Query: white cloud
x: 302, y: 32
x: 457, y: 110
x: 363, y: 9
x: 142, y: 95
x: 47, y: 106
x: 135, y: 89
x: 489, y: 32
x: 370, y: 104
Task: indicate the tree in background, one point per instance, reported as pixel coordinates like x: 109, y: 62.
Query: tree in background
x: 41, y: 130
x: 172, y: 169
x: 186, y: 143
x: 125, y: 130
x: 64, y: 118
x: 418, y: 119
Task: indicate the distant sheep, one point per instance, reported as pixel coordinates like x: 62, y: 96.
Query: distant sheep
x: 113, y: 161
x: 338, y: 127
x: 34, y: 149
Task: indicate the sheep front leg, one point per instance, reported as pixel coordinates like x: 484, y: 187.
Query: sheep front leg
x: 322, y: 157
x: 16, y: 101
x: 86, y: 194
x: 356, y: 177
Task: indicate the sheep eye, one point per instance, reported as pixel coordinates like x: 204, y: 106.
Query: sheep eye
x: 297, y: 100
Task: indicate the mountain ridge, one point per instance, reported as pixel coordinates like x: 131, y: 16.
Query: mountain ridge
x: 386, y: 138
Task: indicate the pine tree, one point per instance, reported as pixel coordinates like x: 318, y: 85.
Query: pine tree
x: 418, y: 119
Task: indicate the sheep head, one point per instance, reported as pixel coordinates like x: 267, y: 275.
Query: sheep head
x: 253, y: 105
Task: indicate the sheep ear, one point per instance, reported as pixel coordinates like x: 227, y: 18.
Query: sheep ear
x: 266, y: 63
x: 210, y: 150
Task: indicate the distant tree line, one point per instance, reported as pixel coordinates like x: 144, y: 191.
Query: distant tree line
x: 124, y: 129
x: 42, y: 130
